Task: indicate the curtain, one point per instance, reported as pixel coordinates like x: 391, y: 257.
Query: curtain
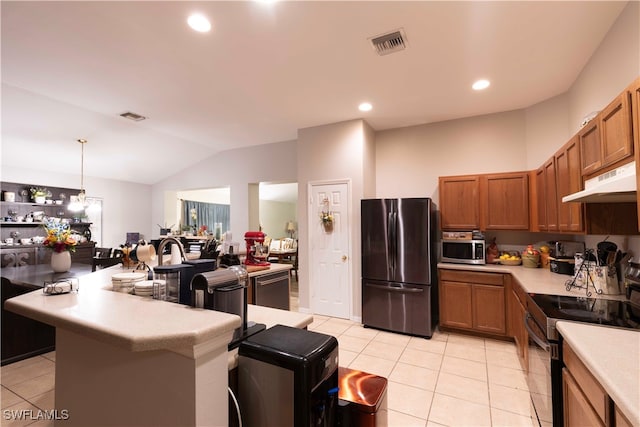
x: 206, y: 214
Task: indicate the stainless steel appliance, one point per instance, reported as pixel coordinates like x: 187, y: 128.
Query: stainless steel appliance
x: 288, y: 377
x: 272, y: 290
x: 462, y: 247
x: 225, y: 290
x: 562, y: 256
x: 399, y: 280
x: 544, y: 375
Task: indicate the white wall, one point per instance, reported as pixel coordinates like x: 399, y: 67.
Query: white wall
x: 546, y: 129
x: 126, y: 206
x: 236, y: 169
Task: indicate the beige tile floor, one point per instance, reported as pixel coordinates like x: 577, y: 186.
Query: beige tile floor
x: 450, y: 380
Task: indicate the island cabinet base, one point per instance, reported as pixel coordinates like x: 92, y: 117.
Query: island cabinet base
x: 101, y: 384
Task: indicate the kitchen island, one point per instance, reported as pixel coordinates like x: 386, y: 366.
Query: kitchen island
x: 128, y: 360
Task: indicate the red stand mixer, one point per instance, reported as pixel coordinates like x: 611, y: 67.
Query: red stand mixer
x: 257, y: 252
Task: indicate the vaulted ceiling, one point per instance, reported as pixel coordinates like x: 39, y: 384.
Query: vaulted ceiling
x: 265, y: 70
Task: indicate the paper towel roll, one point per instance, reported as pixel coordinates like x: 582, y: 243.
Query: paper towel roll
x: 176, y: 258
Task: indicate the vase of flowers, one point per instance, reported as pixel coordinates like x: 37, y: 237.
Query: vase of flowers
x: 38, y: 194
x: 59, y: 240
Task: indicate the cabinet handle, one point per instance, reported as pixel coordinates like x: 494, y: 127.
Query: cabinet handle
x: 394, y: 289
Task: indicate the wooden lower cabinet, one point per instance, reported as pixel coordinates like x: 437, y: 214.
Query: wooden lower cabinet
x: 577, y: 410
x: 517, y: 310
x: 473, y: 301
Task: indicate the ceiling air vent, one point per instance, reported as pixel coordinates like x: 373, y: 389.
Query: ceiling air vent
x: 132, y: 116
x: 389, y: 43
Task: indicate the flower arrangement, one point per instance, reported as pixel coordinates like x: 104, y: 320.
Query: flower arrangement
x: 59, y: 237
x: 202, y: 231
x: 326, y: 217
x: 38, y: 192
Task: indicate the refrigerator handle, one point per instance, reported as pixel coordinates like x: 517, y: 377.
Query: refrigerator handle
x: 390, y: 235
x: 395, y: 242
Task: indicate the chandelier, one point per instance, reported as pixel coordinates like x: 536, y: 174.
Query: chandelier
x: 79, y: 203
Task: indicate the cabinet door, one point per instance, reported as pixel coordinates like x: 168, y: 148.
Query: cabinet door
x: 577, y: 410
x: 615, y: 130
x: 551, y: 194
x: 520, y: 335
x: 591, y: 153
x: 489, y: 309
x: 459, y: 202
x: 569, y: 181
x: 635, y: 113
x: 455, y: 305
x: 541, y: 199
x: 506, y: 201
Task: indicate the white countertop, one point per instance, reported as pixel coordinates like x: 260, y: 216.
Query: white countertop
x: 612, y: 355
x: 533, y: 280
x: 273, y: 268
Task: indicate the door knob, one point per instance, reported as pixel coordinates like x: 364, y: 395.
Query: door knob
x: 344, y: 258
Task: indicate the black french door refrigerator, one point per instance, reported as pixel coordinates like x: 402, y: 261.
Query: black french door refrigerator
x: 399, y: 280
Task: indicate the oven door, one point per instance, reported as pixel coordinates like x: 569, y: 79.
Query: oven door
x: 539, y: 371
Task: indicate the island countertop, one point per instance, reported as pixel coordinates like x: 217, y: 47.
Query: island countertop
x: 137, y: 323
x: 613, y: 357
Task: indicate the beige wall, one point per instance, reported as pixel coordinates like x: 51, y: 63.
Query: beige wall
x: 274, y: 217
x: 614, y: 65
x: 546, y: 129
x: 236, y: 169
x: 325, y: 153
x: 410, y: 160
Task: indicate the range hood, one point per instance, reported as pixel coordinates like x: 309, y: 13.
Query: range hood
x: 617, y: 185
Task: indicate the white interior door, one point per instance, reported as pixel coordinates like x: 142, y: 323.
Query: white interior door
x: 329, y: 260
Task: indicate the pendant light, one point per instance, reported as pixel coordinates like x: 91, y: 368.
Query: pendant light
x: 79, y: 203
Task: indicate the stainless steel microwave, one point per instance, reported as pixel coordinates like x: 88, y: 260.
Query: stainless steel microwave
x: 462, y: 251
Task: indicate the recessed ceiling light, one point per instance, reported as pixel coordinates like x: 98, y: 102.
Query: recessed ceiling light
x: 481, y: 84
x: 365, y: 106
x: 199, y: 23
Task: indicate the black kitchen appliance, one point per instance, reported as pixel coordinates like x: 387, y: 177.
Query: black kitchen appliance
x: 225, y: 290
x: 199, y: 266
x: 562, y: 256
x: 288, y: 377
x: 177, y: 278
x: 545, y: 344
x: 399, y: 280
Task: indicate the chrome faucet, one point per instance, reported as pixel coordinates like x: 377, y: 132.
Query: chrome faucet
x: 164, y: 243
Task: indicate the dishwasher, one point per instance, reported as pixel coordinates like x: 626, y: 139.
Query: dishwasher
x: 272, y: 290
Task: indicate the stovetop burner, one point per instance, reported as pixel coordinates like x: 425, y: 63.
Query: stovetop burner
x: 621, y: 314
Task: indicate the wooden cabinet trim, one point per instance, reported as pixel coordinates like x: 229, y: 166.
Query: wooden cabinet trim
x: 616, y: 138
x: 472, y: 277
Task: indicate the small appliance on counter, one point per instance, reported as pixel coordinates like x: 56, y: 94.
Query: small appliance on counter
x: 463, y: 247
x: 174, y: 279
x: 257, y: 252
x: 288, y: 377
x: 225, y: 290
x: 562, y: 256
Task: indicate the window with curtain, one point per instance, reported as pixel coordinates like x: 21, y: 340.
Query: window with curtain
x: 207, y: 214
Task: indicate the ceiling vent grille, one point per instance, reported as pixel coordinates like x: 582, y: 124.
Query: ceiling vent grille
x: 389, y: 43
x: 133, y: 116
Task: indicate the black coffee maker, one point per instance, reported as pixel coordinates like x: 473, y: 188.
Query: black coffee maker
x: 225, y: 290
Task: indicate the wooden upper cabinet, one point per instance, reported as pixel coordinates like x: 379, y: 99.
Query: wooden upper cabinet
x: 607, y: 139
x: 546, y: 199
x: 589, y: 138
x: 615, y: 130
x: 569, y: 181
x: 460, y: 202
x: 541, y: 199
x: 551, y: 194
x: 634, y: 91
x: 505, y: 201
